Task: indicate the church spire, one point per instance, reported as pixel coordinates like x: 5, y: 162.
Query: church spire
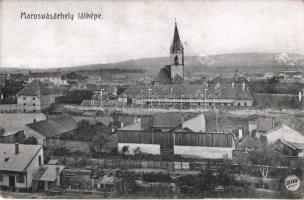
x: 176, y: 44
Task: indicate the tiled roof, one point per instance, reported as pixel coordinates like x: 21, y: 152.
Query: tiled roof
x: 176, y: 43
x: 296, y: 123
x: 224, y: 91
x: 249, y: 142
x: 265, y: 124
x: 146, y: 120
x: 13, y: 121
x: 55, y: 126
x: 170, y: 119
x: 224, y: 123
x: 34, y: 88
x: 48, y: 173
x: 164, y: 75
x: 157, y: 120
x: 9, y: 161
x: 106, y: 120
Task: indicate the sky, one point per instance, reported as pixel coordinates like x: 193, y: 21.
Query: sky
x: 142, y: 28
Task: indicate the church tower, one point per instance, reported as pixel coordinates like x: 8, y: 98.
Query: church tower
x: 177, y: 58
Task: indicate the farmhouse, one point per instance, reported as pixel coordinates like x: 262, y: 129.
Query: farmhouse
x: 35, y: 97
x: 62, y: 127
x: 284, y: 132
x: 18, y: 165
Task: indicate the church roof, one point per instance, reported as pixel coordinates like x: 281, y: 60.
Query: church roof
x: 34, y: 88
x: 164, y: 75
x: 176, y: 44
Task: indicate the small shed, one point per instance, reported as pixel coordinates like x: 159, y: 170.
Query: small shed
x: 48, y: 176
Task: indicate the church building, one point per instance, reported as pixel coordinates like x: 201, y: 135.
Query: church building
x: 173, y: 73
x: 170, y: 90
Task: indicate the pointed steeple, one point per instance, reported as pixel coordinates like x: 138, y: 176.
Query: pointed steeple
x: 176, y: 44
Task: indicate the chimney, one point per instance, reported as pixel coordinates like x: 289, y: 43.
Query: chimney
x: 300, y: 96
x: 16, y: 148
x: 121, y: 124
x: 135, y: 120
x: 243, y: 86
x: 171, y: 90
x: 57, y: 176
x: 232, y: 84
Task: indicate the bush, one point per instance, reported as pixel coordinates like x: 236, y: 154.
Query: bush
x: 157, y: 177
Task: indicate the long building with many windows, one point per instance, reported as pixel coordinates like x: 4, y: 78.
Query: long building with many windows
x: 185, y: 96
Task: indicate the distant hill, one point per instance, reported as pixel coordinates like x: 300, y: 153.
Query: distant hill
x: 205, y: 63
x: 213, y: 63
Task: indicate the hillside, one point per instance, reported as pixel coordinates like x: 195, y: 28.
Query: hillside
x: 212, y: 63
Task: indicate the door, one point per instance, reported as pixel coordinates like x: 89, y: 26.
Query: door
x: 12, y: 181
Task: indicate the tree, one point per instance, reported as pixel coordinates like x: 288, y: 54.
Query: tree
x: 99, y: 140
x: 125, y: 150
x: 137, y: 151
x: 84, y: 130
x: 206, y: 180
x: 128, y: 181
x: 266, y: 157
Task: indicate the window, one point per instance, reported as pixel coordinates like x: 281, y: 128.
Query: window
x: 1, y: 177
x: 24, y: 110
x: 239, y: 104
x: 39, y: 160
x: 24, y: 98
x: 34, y: 104
x: 176, y: 60
x: 20, y: 178
x: 34, y: 98
x: 245, y: 103
x: 24, y: 104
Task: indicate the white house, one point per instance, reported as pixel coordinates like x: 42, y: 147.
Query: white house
x: 35, y: 97
x: 284, y: 132
x: 18, y: 164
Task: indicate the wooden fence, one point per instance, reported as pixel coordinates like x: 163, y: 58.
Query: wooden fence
x: 167, y: 139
